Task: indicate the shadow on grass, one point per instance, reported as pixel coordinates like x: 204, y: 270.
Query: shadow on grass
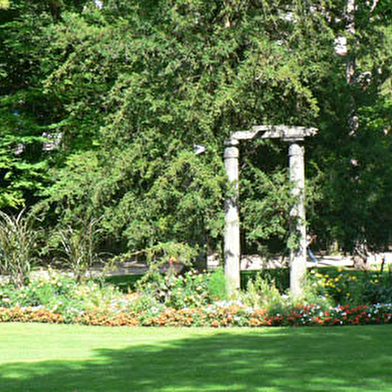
x: 303, y: 359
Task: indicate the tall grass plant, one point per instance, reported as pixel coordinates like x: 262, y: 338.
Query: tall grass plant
x: 18, y: 246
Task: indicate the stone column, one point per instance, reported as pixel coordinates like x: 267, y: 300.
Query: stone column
x: 298, y: 256
x: 232, y: 229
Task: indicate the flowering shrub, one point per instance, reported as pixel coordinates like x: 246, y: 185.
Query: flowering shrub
x: 61, y: 294
x: 344, y: 287
x: 51, y: 292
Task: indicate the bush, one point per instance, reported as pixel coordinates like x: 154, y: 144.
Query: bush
x: 126, y: 283
x: 261, y: 294
x: 279, y: 277
x: 314, y: 293
x: 217, y: 287
x: 377, y: 288
x: 60, y: 292
x: 177, y: 291
x: 191, y: 289
x: 353, y: 287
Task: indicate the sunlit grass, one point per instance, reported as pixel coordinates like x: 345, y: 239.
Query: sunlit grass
x: 40, y: 357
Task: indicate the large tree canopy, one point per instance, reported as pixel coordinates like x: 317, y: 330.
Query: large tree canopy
x: 129, y: 88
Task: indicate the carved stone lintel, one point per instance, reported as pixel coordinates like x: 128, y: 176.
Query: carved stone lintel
x: 287, y: 133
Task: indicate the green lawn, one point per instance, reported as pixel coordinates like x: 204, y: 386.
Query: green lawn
x: 40, y: 357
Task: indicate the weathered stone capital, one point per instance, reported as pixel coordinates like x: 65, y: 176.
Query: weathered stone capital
x: 231, y: 152
x: 296, y: 150
x: 231, y: 142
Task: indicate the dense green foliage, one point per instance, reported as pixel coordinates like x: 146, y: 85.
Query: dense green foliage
x: 101, y: 107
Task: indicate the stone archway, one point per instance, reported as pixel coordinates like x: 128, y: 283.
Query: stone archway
x: 232, y: 253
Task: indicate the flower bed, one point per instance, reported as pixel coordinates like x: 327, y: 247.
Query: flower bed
x: 198, y: 299
x: 218, y: 315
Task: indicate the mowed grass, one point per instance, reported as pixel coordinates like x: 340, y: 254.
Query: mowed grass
x: 41, y: 357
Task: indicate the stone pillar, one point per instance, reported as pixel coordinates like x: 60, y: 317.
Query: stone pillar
x: 232, y: 229
x: 298, y: 256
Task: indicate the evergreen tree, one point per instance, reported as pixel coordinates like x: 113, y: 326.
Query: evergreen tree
x: 128, y: 89
x: 148, y: 81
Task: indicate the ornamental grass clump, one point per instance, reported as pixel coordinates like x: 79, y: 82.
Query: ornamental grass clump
x: 78, y: 248
x: 18, y: 247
